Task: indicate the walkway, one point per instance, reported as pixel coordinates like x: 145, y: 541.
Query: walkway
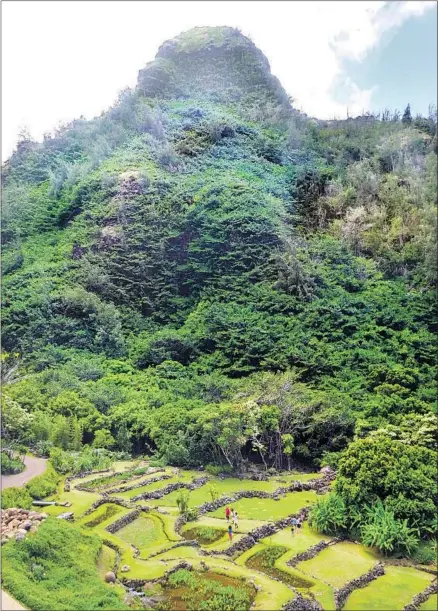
x: 34, y: 466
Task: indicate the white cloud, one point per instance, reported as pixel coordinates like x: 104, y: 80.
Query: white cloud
x: 64, y: 59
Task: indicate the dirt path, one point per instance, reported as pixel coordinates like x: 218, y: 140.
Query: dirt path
x: 34, y: 467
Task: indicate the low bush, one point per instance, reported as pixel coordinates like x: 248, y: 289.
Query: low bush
x: 45, y: 484
x: 77, y: 462
x: 218, y: 469
x: 10, y: 466
x: 16, y: 497
x: 329, y: 515
x: 426, y: 553
x: 55, y: 568
x: 388, y: 534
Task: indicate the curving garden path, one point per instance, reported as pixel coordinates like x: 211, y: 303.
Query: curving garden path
x: 34, y: 466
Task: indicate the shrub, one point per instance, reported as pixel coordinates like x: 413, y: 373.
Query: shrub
x: 217, y: 469
x: 329, y: 515
x: 426, y: 552
x: 384, y: 531
x: 10, y: 465
x: 63, y: 462
x: 183, y: 501
x: 45, y: 484
x: 43, y: 448
x: 402, y: 476
x: 16, y: 497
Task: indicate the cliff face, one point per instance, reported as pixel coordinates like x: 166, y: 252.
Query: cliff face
x: 218, y: 62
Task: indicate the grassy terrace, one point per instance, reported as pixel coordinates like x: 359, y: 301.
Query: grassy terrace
x: 265, y: 564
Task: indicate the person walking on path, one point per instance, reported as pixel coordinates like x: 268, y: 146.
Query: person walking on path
x: 294, y: 526
x: 230, y: 533
x: 227, y: 513
x: 235, y: 520
x: 298, y: 525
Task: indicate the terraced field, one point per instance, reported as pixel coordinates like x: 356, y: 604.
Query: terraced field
x: 143, y: 534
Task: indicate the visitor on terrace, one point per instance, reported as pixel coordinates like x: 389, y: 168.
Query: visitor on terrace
x: 294, y: 526
x: 227, y: 513
x: 230, y: 533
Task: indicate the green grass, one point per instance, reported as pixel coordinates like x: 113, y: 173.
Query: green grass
x: 299, y: 542
x: 144, y: 532
x: 81, y: 501
x: 390, y: 592
x: 431, y: 604
x: 106, y: 560
x: 339, y: 564
x: 268, y: 509
x: 55, y: 570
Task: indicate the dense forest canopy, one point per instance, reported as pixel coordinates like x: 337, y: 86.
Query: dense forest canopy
x: 205, y: 273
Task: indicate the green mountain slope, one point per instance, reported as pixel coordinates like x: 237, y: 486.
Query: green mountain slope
x: 206, y: 272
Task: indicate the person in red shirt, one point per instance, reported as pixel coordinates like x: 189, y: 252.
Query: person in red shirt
x: 227, y: 513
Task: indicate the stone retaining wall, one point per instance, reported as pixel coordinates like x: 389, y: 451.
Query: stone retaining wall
x: 320, y: 484
x: 249, y: 540
x: 419, y: 599
x: 301, y: 604
x: 343, y: 593
x: 110, y: 499
x: 174, y: 546
x: 311, y: 552
x: 152, y: 480
x: 158, y: 494
x: 139, y: 583
x: 123, y: 521
x: 80, y: 476
x: 116, y: 548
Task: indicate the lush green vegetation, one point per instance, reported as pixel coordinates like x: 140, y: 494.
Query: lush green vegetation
x: 55, y: 569
x: 10, y: 464
x: 207, y: 274
x: 207, y: 592
x: 150, y: 548
x: 38, y: 488
x: 384, y: 492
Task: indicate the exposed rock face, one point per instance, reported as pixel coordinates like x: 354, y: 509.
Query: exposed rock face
x: 218, y: 60
x: 16, y: 523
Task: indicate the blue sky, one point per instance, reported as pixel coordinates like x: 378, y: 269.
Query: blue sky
x: 401, y: 68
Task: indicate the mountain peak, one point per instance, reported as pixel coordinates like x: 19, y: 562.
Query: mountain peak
x: 211, y: 61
